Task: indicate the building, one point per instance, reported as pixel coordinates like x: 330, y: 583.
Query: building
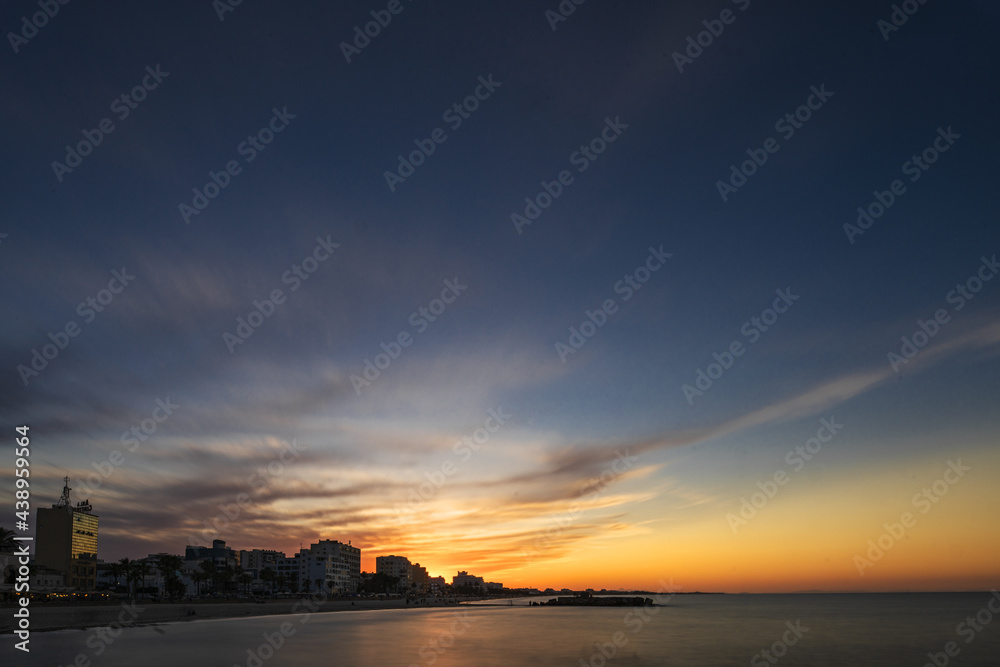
x: 66, y: 540
x: 395, y: 566
x: 219, y: 554
x: 47, y: 580
x: 463, y: 578
x: 419, y: 579
x: 290, y: 569
x: 343, y: 564
x: 329, y: 565
x: 8, y: 570
x: 107, y: 579
x: 253, y: 561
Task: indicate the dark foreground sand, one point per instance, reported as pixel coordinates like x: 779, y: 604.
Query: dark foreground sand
x: 143, y: 612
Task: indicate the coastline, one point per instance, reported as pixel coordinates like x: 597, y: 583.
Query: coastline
x: 144, y: 612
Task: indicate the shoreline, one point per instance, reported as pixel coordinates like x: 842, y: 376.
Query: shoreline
x: 135, y: 613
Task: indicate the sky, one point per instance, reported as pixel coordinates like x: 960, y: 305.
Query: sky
x: 635, y: 293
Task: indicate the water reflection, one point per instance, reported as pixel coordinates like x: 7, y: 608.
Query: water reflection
x: 692, y: 630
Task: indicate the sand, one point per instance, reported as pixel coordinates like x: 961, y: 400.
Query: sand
x: 145, y: 612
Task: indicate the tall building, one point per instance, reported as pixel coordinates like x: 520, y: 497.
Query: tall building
x: 329, y: 565
x: 395, y: 566
x: 66, y: 540
x: 343, y: 563
x: 419, y: 579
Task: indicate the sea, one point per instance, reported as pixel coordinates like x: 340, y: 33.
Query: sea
x: 836, y: 630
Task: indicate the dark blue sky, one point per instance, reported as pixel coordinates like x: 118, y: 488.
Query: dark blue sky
x: 655, y: 185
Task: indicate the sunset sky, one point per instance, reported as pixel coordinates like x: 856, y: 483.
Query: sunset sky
x: 605, y: 471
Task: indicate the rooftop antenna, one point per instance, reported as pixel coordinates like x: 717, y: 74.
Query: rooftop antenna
x: 64, y: 500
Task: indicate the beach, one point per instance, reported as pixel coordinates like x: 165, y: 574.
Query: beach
x: 146, y: 612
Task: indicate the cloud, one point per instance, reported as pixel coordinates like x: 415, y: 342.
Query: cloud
x: 358, y: 467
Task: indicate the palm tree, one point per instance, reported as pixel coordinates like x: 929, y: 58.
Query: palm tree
x: 319, y: 585
x: 281, y: 581
x: 246, y: 579
x: 116, y: 571
x: 6, y: 539
x: 227, y: 577
x: 136, y: 571
x: 168, y: 566
x: 295, y: 582
x: 268, y: 576
x: 209, y: 572
x: 128, y: 569
x: 142, y: 569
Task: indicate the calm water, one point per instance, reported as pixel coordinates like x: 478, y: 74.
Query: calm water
x: 702, y: 630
